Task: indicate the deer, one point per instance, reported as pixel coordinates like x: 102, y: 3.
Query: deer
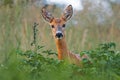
x: 58, y: 30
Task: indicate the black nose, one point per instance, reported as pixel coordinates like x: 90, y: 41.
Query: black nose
x: 59, y: 35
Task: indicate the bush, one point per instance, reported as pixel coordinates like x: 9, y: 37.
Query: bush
x: 104, y: 61
x: 39, y: 65
x: 104, y: 64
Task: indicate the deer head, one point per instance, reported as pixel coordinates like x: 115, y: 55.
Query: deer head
x: 58, y: 24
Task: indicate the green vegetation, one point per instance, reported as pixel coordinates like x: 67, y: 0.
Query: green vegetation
x: 34, y: 65
x: 27, y: 49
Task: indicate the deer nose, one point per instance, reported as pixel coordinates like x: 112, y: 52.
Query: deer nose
x: 59, y: 35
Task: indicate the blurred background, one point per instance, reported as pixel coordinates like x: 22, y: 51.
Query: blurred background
x: 93, y: 22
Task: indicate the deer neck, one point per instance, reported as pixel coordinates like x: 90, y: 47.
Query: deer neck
x: 61, y: 48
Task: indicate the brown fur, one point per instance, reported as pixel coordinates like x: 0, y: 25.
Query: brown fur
x: 61, y: 46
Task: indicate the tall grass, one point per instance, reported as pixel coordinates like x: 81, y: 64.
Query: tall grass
x: 16, y: 27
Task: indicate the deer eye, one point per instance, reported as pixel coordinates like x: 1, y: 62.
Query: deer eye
x: 63, y: 25
x: 52, y: 26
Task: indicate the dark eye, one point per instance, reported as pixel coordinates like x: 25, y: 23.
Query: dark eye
x: 63, y: 25
x: 52, y: 26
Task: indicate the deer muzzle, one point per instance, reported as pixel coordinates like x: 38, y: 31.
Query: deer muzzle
x: 59, y: 35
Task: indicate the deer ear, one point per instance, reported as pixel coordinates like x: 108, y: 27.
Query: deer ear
x: 67, y: 14
x: 46, y: 15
